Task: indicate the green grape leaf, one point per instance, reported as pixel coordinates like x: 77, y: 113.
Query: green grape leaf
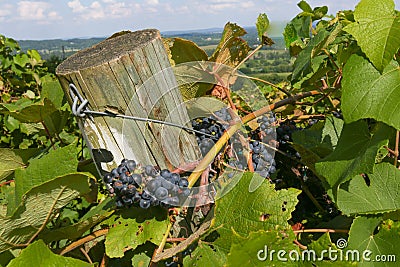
x: 305, y: 6
x: 369, y: 94
x: 5, y: 258
x: 142, y: 255
x: 62, y: 160
x: 302, y: 26
x: 382, y: 194
x: 319, y: 141
x: 377, y: 30
x: 193, y: 80
x: 56, y: 121
x: 89, y: 220
x: 262, y: 25
x: 205, y: 255
x: 319, y: 12
x: 27, y: 111
x: 243, y: 211
x: 255, y: 249
x: 51, y: 89
x: 290, y: 34
x: 203, y: 106
x: 38, y: 254
x: 39, y: 205
x: 181, y: 50
x: 232, y: 49
x: 303, y: 64
x: 381, y: 238
x: 21, y: 59
x: 133, y: 227
x: 34, y: 55
x: 11, y: 123
x: 12, y: 159
x: 355, y: 152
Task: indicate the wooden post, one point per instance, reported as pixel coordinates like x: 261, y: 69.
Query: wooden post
x: 131, y: 75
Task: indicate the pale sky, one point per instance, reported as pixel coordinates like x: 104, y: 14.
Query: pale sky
x: 47, y: 19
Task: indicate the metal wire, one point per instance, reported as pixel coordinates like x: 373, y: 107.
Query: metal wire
x: 81, y: 110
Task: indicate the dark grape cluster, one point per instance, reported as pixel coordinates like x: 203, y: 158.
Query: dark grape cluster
x: 131, y: 184
x: 214, y: 125
x: 285, y: 130
x: 263, y: 161
x: 262, y: 156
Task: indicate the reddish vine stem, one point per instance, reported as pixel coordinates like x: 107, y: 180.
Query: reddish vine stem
x: 176, y: 239
x: 6, y: 183
x: 290, y: 100
x: 48, y: 134
x: 104, y: 261
x: 227, y: 91
x: 299, y: 244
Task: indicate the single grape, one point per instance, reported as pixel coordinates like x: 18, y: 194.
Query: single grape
x: 122, y: 169
x: 131, y: 165
x: 137, y: 178
x: 150, y: 171
x: 153, y: 184
x: 165, y: 173
x: 167, y: 184
x: 161, y: 193
x: 108, y: 178
x: 123, y: 178
x: 144, y: 203
x: 175, y: 178
x: 115, y: 173
x: 185, y: 192
x: 184, y: 182
x: 146, y: 195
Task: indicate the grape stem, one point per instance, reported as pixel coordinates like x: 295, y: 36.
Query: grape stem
x: 266, y: 82
x: 86, y: 255
x: 84, y: 240
x: 307, y: 191
x: 321, y: 231
x: 163, y: 242
x: 168, y: 253
x: 48, y: 134
x: 209, y: 157
x: 247, y: 57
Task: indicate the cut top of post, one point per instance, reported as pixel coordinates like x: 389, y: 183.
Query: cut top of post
x: 112, y: 48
